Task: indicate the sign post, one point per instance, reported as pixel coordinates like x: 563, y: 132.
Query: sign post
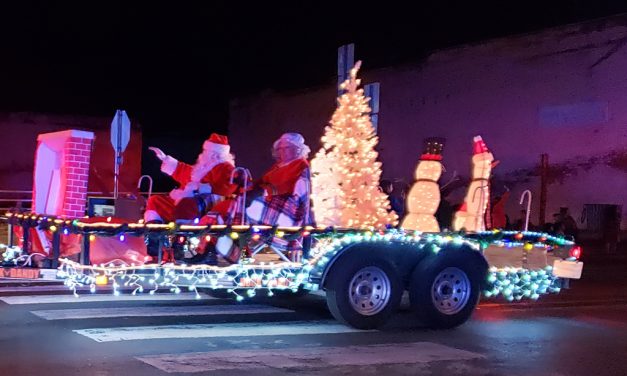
x: 120, y: 135
x: 345, y: 62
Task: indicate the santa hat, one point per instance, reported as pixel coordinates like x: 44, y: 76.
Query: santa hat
x: 217, y: 143
x: 479, y: 146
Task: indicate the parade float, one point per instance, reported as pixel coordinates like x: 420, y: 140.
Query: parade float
x: 355, y: 253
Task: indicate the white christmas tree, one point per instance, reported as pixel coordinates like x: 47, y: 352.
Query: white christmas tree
x: 345, y: 172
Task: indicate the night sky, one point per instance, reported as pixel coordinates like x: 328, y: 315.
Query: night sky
x: 173, y: 66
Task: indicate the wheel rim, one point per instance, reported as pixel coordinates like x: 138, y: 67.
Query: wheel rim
x: 369, y: 291
x: 450, y: 291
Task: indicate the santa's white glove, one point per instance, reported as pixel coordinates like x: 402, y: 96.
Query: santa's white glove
x: 177, y: 195
x: 168, y: 164
x: 158, y: 152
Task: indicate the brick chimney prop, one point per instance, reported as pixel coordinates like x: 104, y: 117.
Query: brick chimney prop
x: 61, y: 173
x: 60, y: 180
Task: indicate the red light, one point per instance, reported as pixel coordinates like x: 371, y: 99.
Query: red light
x: 575, y: 252
x: 181, y: 239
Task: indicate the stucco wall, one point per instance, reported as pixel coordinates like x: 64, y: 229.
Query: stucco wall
x: 19, y: 139
x: 562, y: 92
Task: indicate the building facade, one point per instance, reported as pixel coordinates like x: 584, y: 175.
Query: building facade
x: 560, y: 92
x: 20, y: 131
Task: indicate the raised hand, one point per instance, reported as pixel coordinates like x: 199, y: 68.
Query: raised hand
x: 158, y: 152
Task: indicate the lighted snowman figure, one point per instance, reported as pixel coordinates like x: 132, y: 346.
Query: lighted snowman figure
x: 471, y: 215
x: 424, y: 197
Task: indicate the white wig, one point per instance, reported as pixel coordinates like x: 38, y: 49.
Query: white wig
x: 295, y: 139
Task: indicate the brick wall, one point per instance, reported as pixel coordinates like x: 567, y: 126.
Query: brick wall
x: 62, y: 172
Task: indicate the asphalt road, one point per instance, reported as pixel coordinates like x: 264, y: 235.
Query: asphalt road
x: 45, y: 331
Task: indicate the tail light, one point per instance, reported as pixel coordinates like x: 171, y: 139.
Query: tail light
x: 575, y: 252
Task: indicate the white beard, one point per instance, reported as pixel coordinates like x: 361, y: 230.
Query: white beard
x: 200, y: 169
x: 204, y: 164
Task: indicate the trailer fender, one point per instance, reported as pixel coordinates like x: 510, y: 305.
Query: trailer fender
x: 404, y: 257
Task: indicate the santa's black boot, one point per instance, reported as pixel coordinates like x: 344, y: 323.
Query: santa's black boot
x: 152, y: 246
x: 152, y: 242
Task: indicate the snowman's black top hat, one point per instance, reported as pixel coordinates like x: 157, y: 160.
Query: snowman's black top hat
x: 433, y: 149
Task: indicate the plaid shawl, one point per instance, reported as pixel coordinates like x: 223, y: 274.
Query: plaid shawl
x: 229, y: 209
x: 285, y: 210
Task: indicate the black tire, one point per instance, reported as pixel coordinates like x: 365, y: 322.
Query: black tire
x: 445, y: 289
x: 350, y: 278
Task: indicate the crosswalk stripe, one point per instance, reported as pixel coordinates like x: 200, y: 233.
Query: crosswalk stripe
x: 308, y: 357
x: 92, y: 313
x: 52, y: 299
x: 215, y: 330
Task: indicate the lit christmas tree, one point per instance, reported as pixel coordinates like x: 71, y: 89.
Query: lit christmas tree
x: 345, y: 172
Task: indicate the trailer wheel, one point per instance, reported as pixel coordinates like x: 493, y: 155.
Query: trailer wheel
x: 363, y: 291
x: 444, y: 291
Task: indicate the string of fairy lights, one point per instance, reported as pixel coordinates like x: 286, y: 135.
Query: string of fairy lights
x: 249, y: 278
x: 518, y: 283
x: 243, y: 280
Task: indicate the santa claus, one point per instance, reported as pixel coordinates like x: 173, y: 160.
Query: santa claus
x: 286, y: 188
x: 202, y: 187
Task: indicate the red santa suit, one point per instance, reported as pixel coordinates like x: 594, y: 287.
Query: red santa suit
x: 202, y: 186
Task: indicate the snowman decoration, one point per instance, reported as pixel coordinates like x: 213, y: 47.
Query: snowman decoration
x: 424, y: 197
x: 471, y: 215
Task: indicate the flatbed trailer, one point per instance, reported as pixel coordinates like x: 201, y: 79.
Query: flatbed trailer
x: 363, y: 272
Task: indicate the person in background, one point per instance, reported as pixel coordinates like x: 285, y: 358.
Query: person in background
x: 611, y: 229
x: 568, y: 223
x: 446, y: 210
x: 499, y: 218
x: 386, y: 186
x: 397, y: 203
x: 520, y: 222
